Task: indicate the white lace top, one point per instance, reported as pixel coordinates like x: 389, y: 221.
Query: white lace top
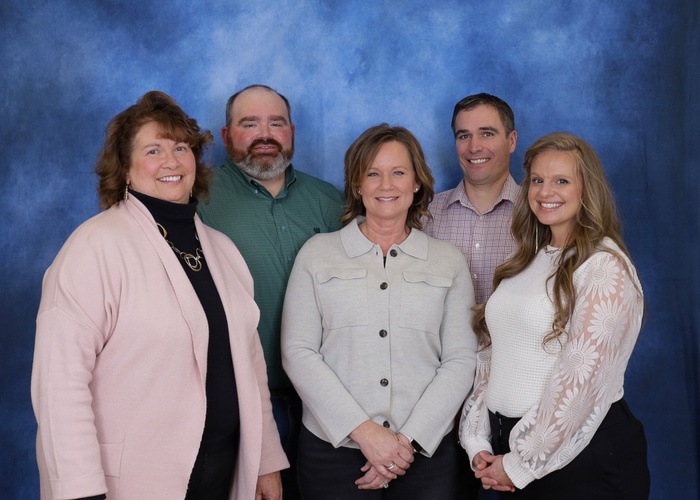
x: 562, y: 392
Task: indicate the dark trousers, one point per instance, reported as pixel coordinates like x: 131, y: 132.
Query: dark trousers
x: 286, y: 408
x: 328, y: 473
x: 212, y: 474
x: 613, y: 466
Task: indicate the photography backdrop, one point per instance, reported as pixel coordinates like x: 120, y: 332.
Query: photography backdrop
x: 624, y: 75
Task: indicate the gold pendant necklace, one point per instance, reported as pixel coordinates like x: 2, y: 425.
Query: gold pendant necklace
x: 194, y: 262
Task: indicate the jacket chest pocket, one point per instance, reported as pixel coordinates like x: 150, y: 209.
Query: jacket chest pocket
x: 423, y: 301
x: 342, y: 295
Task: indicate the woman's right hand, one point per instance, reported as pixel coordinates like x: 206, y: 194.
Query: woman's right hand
x: 381, y: 448
x: 480, y: 461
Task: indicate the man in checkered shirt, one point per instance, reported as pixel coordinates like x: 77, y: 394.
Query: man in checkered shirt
x: 477, y: 214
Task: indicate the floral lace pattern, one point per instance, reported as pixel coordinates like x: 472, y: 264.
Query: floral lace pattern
x: 589, y: 377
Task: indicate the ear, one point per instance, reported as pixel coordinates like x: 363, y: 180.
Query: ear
x: 224, y: 134
x: 513, y: 139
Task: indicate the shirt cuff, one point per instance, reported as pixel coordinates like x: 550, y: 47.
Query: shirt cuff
x: 474, y: 446
x: 520, y: 475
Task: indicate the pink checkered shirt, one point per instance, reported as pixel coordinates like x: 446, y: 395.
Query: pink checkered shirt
x: 484, y: 239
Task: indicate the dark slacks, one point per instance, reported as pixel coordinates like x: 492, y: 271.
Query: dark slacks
x: 613, y: 466
x: 286, y: 408
x: 212, y: 474
x: 328, y: 473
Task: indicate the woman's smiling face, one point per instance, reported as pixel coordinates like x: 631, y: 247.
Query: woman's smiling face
x: 554, y: 193
x: 390, y: 184
x: 160, y: 167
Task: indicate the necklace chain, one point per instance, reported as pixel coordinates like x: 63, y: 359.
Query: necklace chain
x: 552, y: 251
x: 194, y: 262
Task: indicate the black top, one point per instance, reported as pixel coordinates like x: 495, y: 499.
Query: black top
x: 222, y: 420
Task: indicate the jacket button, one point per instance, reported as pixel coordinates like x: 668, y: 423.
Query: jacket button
x: 393, y: 252
x: 384, y: 286
x: 384, y: 382
x: 386, y: 424
x: 382, y: 333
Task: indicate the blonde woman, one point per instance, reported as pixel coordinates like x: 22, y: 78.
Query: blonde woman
x: 547, y: 418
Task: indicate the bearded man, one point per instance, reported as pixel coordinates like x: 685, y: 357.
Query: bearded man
x: 269, y: 210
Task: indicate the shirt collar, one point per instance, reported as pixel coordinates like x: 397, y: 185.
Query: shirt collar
x: 509, y: 192
x: 357, y: 244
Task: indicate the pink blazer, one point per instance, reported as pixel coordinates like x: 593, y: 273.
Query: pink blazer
x: 120, y: 363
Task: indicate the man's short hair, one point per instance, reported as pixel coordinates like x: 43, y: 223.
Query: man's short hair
x: 472, y: 101
x: 229, y: 103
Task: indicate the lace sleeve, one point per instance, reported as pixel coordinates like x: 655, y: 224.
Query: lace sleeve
x: 474, y: 426
x: 590, y: 372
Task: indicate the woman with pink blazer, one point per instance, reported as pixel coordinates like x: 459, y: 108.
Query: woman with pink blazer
x: 149, y: 379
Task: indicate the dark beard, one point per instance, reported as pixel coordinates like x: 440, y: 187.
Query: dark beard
x: 261, y: 167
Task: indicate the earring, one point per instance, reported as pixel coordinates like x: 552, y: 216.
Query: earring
x: 537, y: 239
x: 416, y: 190
x: 126, y: 192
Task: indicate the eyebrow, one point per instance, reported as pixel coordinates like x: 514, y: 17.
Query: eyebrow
x: 159, y: 144
x: 273, y: 118
x: 483, y: 129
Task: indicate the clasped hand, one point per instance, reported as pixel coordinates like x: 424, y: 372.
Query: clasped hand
x: 387, y: 456
x: 489, y: 469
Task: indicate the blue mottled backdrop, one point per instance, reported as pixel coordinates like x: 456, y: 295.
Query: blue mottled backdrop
x: 623, y: 74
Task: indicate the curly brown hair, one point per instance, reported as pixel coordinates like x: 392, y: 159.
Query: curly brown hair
x: 359, y: 158
x: 114, y: 159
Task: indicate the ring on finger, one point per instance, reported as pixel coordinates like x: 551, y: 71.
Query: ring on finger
x: 390, y: 466
x: 384, y: 485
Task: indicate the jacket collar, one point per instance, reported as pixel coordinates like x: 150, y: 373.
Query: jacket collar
x: 356, y: 244
x: 187, y: 298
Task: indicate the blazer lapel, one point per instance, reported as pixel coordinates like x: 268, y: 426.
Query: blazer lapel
x: 187, y: 298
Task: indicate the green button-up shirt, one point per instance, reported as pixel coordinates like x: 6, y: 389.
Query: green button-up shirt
x: 269, y: 232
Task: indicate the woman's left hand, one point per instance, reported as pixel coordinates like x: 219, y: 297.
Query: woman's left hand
x: 494, y: 476
x: 371, y: 480
x: 269, y: 487
x: 386, y: 457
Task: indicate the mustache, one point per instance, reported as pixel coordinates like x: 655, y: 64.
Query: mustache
x: 269, y: 141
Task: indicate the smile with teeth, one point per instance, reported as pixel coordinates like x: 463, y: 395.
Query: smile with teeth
x: 550, y: 205
x: 479, y: 160
x: 170, y: 178
x: 387, y: 198
x: 265, y: 148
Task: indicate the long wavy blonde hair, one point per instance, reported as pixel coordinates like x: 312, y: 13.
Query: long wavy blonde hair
x: 596, y: 220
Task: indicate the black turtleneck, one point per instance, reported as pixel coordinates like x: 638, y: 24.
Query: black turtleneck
x: 222, y: 420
